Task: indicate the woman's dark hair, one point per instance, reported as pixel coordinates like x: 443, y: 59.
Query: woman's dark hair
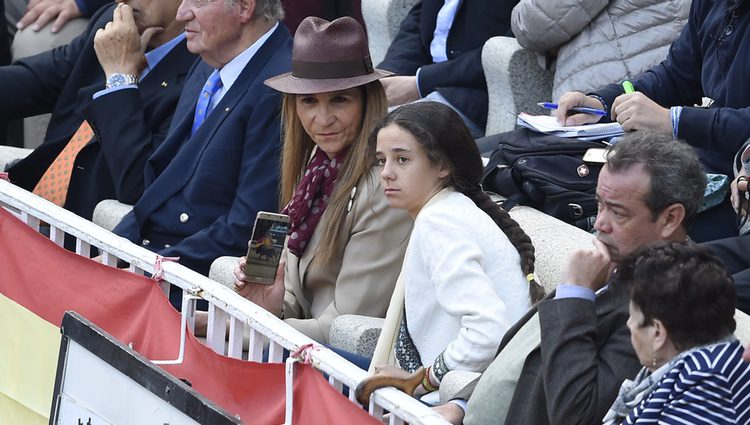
x: 447, y: 142
x: 684, y: 286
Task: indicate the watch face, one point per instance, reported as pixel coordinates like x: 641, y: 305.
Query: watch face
x: 116, y: 80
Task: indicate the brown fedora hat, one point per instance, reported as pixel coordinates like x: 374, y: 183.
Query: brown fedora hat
x: 327, y: 56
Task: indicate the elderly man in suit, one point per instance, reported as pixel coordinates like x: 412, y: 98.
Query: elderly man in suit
x: 112, y: 92
x: 219, y: 164
x: 437, y: 55
x: 564, y: 361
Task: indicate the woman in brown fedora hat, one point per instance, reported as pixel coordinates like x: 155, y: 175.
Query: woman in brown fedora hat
x: 345, y: 246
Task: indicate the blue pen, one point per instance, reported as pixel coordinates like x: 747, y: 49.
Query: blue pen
x: 579, y: 109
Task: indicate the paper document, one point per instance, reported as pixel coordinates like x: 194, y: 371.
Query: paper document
x: 549, y: 125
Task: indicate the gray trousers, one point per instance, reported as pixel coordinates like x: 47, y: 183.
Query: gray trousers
x: 28, y: 42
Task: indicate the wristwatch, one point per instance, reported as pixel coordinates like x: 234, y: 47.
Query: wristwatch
x: 117, y: 80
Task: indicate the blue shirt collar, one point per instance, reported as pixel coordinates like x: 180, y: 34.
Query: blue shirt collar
x: 232, y: 70
x: 154, y: 56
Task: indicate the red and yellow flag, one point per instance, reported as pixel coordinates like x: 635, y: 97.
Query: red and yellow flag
x: 39, y: 281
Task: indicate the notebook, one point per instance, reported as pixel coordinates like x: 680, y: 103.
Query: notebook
x: 548, y: 124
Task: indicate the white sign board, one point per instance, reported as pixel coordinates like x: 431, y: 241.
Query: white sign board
x: 102, y: 382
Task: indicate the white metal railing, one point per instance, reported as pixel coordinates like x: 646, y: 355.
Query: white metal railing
x: 224, y: 305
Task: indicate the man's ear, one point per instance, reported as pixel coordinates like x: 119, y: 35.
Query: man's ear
x: 247, y: 10
x: 671, y: 219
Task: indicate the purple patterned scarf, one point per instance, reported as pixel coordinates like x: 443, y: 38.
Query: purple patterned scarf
x: 311, y: 198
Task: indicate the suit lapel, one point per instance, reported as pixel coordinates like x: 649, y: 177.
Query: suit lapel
x: 182, y: 121
x: 513, y: 330
x: 179, y: 133
x: 239, y: 89
x: 307, y: 257
x: 161, y: 75
x: 188, y: 153
x: 185, y: 150
x: 606, y: 302
x: 84, y: 97
x: 159, y: 80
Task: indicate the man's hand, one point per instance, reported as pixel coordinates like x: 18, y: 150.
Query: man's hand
x: 739, y: 191
x: 572, y: 99
x: 635, y: 111
x: 451, y: 412
x: 119, y: 47
x: 400, y: 89
x: 588, y: 267
x: 40, y: 12
x: 270, y: 297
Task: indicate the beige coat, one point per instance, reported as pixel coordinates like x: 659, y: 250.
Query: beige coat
x: 363, y: 278
x: 597, y: 42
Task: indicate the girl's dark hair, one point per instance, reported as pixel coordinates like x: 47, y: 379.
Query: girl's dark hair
x: 447, y: 142
x: 684, y: 286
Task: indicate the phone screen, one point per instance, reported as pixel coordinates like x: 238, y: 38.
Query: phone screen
x: 265, y: 246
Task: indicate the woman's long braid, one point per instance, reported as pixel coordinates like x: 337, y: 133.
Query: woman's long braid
x: 447, y: 142
x: 513, y: 231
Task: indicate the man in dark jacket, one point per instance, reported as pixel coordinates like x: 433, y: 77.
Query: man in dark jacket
x: 218, y: 165
x: 735, y: 251
x: 564, y: 361
x: 437, y: 54
x: 127, y: 104
x: 707, y: 60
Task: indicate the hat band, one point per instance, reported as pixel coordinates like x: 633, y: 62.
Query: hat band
x: 336, y: 69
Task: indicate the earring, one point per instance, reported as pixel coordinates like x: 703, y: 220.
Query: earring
x: 653, y: 360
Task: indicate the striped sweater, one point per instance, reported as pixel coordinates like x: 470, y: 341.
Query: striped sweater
x: 709, y: 386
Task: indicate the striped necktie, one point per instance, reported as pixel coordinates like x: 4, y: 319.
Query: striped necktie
x: 203, y: 106
x: 54, y: 183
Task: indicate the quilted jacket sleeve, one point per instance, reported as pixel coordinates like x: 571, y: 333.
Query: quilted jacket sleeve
x: 544, y: 25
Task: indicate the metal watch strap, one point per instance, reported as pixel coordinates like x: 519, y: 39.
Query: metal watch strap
x: 117, y: 80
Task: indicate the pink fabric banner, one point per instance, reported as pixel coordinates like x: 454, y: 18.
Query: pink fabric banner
x: 48, y: 280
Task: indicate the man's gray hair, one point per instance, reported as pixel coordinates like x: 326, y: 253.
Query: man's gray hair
x: 271, y: 10
x: 677, y: 176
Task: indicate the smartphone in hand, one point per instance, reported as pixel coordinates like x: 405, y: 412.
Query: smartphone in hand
x: 265, y: 246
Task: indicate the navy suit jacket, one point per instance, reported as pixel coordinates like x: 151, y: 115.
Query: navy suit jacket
x: 128, y: 124
x: 203, y: 192
x: 89, y: 7
x: 460, y: 79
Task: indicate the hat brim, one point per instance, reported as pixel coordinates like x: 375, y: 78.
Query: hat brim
x: 287, y: 83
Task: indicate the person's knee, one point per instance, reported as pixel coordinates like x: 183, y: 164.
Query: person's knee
x: 14, y: 10
x: 28, y: 42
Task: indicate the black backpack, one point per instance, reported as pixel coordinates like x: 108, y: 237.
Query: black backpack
x: 545, y: 172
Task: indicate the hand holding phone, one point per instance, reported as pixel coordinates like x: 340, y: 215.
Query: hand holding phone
x: 265, y: 246
x: 269, y: 297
